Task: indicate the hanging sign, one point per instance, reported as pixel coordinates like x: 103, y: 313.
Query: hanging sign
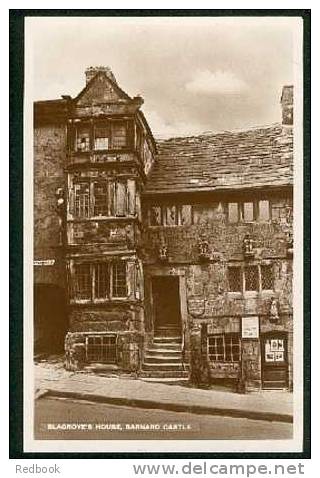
x: 250, y: 327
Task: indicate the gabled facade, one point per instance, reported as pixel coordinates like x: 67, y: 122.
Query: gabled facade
x: 176, y: 257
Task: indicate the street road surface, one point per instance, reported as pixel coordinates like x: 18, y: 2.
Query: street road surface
x: 61, y: 419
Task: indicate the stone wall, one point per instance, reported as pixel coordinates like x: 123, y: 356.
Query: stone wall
x: 211, y: 308
x: 49, y: 162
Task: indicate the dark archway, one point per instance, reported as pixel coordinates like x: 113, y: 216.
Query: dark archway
x: 50, y: 319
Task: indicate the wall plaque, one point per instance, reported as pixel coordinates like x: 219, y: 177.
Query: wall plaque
x: 250, y: 327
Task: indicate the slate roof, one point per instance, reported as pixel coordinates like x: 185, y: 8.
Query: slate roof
x: 260, y: 157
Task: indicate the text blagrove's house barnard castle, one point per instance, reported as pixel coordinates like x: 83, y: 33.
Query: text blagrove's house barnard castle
x: 167, y: 259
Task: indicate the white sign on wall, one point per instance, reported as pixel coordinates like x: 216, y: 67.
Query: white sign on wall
x: 45, y: 262
x: 250, y: 327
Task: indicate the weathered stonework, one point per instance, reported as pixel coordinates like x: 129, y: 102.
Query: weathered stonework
x: 204, y: 173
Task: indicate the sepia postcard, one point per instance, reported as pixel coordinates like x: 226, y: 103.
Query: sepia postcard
x: 163, y: 233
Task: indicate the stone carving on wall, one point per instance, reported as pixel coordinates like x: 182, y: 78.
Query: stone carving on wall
x: 204, y: 249
x: 274, y: 312
x: 163, y: 252
x: 247, y: 246
x: 196, y: 307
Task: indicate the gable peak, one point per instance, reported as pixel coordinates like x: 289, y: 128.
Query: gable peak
x: 92, y: 71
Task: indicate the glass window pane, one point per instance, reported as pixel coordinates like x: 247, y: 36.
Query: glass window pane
x: 81, y: 199
x: 121, y: 199
x: 101, y: 137
x: 233, y: 212
x: 267, y: 277
x: 82, y: 282
x: 264, y: 211
x: 248, y: 212
x: 234, y: 278
x: 119, y: 135
x: 119, y: 279
x: 101, y: 281
x: 171, y: 216
x: 251, y: 278
x: 83, y: 139
x: 186, y: 218
x: 101, y: 199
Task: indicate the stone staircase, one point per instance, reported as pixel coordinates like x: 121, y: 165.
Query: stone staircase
x: 163, y: 359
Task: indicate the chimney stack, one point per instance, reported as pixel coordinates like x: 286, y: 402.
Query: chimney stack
x: 94, y: 70
x: 287, y: 105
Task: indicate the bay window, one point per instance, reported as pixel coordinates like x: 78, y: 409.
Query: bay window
x: 105, y: 197
x: 100, y: 281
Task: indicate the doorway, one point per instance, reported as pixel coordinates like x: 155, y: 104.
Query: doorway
x: 274, y: 360
x: 50, y: 319
x: 166, y: 305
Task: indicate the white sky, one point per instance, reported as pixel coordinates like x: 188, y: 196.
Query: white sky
x: 195, y: 74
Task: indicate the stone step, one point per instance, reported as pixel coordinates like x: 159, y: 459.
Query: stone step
x: 174, y: 352
x: 171, y: 346
x: 162, y: 359
x: 168, y: 374
x: 161, y: 340
x: 167, y: 380
x: 165, y: 366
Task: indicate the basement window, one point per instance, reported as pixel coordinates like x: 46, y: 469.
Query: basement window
x: 224, y: 348
x: 101, y: 348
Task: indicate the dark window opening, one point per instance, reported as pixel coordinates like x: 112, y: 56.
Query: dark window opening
x: 251, y: 276
x: 267, y: 277
x: 235, y: 279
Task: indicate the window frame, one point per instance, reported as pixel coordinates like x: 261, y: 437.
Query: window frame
x: 164, y: 214
x: 224, y: 336
x: 93, y: 284
x: 111, y: 207
x: 101, y: 337
x: 242, y: 267
x: 255, y: 210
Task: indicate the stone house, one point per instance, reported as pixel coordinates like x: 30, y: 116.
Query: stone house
x: 168, y: 259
